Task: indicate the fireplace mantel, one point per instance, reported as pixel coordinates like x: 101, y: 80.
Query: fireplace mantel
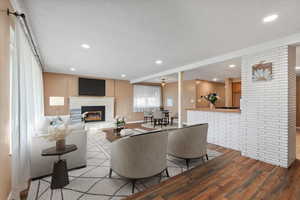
x: 108, y: 102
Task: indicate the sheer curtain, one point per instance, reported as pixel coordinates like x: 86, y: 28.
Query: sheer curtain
x: 146, y: 98
x: 26, y: 108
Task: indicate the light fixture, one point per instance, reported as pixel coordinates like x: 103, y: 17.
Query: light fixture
x: 215, y: 79
x: 198, y: 82
x: 85, y: 46
x: 123, y: 75
x: 297, y: 67
x: 158, y: 62
x: 232, y: 66
x: 163, y: 82
x: 270, y: 18
x: 72, y: 69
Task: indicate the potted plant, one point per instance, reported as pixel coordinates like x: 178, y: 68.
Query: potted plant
x: 212, y: 98
x: 120, y: 123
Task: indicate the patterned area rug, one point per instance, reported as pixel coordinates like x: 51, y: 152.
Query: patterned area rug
x: 92, y: 182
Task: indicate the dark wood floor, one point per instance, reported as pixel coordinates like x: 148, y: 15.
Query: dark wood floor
x: 230, y: 176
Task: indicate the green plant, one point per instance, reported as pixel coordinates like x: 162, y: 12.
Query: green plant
x: 212, y: 98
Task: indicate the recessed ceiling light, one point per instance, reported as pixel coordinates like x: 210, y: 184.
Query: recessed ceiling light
x: 297, y: 67
x: 270, y: 18
x: 123, y: 75
x: 232, y: 66
x: 85, y: 46
x: 215, y: 79
x: 72, y: 69
x: 158, y: 62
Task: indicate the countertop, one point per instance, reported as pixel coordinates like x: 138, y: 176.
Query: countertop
x: 215, y: 110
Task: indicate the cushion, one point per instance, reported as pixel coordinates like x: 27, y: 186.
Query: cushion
x: 42, y: 127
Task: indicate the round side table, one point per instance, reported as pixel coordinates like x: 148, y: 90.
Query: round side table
x: 60, y: 177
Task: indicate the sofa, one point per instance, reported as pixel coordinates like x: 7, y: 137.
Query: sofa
x: 140, y: 156
x: 189, y: 142
x: 42, y: 166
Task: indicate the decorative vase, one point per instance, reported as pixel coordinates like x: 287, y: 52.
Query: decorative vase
x: 60, y: 145
x: 212, y: 106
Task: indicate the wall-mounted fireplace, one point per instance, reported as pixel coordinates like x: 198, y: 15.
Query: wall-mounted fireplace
x: 93, y: 113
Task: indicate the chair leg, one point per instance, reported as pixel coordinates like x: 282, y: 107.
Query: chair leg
x: 187, y: 161
x: 133, y: 185
x: 110, y: 172
x: 167, y: 172
x: 206, y: 157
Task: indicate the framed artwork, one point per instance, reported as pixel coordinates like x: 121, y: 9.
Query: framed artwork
x: 262, y: 72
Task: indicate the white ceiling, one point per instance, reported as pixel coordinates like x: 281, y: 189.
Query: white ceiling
x: 127, y: 36
x: 220, y: 71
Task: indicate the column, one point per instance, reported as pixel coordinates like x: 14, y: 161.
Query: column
x: 180, y: 82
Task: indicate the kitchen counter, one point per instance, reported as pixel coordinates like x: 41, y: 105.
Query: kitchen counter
x: 223, y: 125
x: 215, y: 110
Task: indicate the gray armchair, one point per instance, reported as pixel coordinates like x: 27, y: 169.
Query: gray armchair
x: 140, y: 156
x: 189, y: 142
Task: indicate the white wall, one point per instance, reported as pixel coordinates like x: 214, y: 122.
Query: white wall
x: 269, y: 109
x: 223, y: 127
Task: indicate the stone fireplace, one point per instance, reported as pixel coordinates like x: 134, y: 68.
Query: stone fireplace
x: 93, y: 113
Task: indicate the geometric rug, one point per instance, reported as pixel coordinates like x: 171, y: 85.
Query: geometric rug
x: 93, y: 183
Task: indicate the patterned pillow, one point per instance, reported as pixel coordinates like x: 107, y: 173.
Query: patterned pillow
x: 56, y: 121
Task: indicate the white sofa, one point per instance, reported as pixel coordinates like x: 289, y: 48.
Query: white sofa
x: 41, y: 165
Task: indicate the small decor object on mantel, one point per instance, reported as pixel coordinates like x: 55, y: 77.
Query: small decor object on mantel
x: 212, y: 98
x: 120, y: 123
x: 262, y: 71
x: 58, y: 133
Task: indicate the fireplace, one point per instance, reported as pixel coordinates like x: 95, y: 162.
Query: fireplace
x: 93, y: 113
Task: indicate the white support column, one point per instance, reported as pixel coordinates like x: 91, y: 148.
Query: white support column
x: 180, y: 82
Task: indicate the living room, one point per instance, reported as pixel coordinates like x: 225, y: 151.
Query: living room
x: 147, y: 100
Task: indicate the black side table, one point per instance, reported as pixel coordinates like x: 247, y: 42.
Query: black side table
x: 60, y: 177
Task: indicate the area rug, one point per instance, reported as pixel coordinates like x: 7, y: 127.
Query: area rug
x: 92, y: 182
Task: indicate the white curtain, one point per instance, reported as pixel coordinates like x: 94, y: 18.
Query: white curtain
x: 146, y: 98
x: 26, y: 108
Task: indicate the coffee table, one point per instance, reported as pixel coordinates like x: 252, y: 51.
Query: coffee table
x: 113, y: 134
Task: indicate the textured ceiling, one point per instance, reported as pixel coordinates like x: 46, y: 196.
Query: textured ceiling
x: 127, y: 36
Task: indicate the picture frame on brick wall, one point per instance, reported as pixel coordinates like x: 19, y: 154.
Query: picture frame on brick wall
x: 262, y: 71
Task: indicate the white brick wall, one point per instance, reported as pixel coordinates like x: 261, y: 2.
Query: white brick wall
x: 223, y: 127
x: 268, y: 109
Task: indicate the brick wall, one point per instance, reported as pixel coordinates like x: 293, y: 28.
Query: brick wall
x: 223, y: 127
x: 268, y: 109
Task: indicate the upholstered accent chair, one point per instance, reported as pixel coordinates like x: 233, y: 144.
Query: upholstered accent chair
x: 189, y: 142
x: 140, y: 156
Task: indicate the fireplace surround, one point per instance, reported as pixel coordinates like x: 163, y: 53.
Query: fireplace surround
x: 108, y: 102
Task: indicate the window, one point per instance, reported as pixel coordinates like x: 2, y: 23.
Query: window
x: 146, y: 98
x: 56, y: 101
